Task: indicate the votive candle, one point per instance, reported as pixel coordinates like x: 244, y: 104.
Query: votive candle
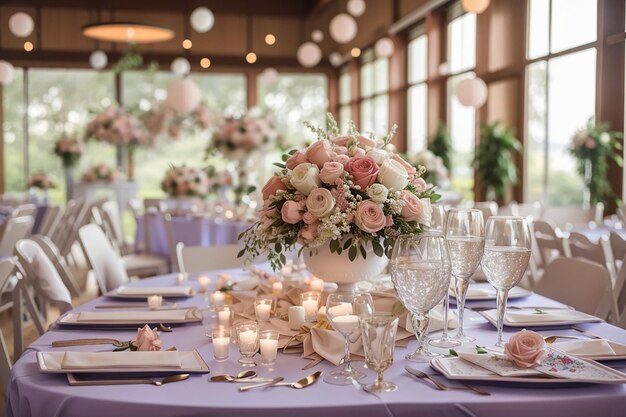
x: 263, y: 308
x: 296, y: 317
x: 310, y: 302
x: 268, y: 343
x: 316, y: 284
x: 225, y: 316
x: 218, y: 298
x: 204, y: 282
x: 277, y: 288
x: 221, y: 341
x: 155, y: 301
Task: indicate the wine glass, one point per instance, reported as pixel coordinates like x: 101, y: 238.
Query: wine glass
x: 420, y: 271
x: 438, y: 224
x: 507, y: 252
x: 343, y: 311
x: 379, y: 339
x: 465, y: 235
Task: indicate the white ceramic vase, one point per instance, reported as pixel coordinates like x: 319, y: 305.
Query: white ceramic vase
x: 332, y: 267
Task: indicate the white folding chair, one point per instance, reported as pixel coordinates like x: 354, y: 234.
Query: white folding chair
x: 16, y: 228
x: 549, y: 243
x: 25, y: 210
x: 618, y: 249
x: 488, y: 208
x: 534, y: 210
x: 62, y: 268
x: 579, y: 283
x: 569, y: 217
x: 203, y: 258
x: 581, y: 247
x: 105, y: 263
x: 7, y: 269
x: 51, y: 219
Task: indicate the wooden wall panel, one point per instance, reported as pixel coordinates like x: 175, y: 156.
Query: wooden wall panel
x: 7, y: 39
x: 227, y: 37
x: 61, y: 29
x: 287, y: 31
x: 504, y: 102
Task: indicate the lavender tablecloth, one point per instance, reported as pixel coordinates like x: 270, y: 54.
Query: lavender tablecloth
x: 599, y: 232
x: 31, y: 393
x: 191, y: 230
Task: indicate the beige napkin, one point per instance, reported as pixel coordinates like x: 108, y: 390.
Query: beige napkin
x: 147, y: 291
x: 82, y: 360
x: 595, y: 347
x: 135, y: 316
x: 530, y: 316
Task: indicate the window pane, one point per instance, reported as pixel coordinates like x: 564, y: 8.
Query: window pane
x: 417, y: 59
x: 417, y: 107
x: 367, y: 113
x: 381, y: 114
x: 381, y: 75
x: 574, y: 22
x: 345, y: 89
x: 535, y: 148
x: 367, y: 82
x: 568, y: 112
x: 13, y: 110
x: 58, y: 104
x: 224, y: 93
x: 462, y: 43
x: 461, y: 122
x: 345, y: 115
x: 538, y: 27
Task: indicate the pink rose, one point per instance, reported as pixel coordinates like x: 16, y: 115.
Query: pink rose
x: 420, y: 184
x: 147, y: 339
x: 342, y: 159
x: 590, y: 143
x: 291, y: 212
x: 341, y: 150
x: 309, y: 232
x: 330, y: 172
x: 363, y: 141
x: 410, y: 169
x: 272, y: 186
x: 364, y: 171
x: 309, y: 218
x: 320, y: 203
x: 296, y: 159
x: 357, y: 153
x: 320, y: 152
x: 412, y: 208
x: 369, y: 217
x: 525, y: 348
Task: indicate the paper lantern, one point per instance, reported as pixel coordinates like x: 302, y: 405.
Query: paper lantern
x: 98, y: 60
x: 335, y: 59
x: 202, y: 19
x: 475, y: 6
x: 21, y: 24
x: 384, y: 47
x: 343, y: 28
x: 317, y: 35
x: 6, y: 72
x: 270, y: 76
x: 180, y: 66
x: 356, y: 7
x: 183, y: 95
x: 309, y: 54
x: 472, y: 92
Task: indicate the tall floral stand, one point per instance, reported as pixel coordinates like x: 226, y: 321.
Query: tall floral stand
x: 587, y: 190
x: 68, y: 172
x: 130, y: 163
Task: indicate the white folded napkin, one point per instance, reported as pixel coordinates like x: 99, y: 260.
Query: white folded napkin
x: 133, y: 316
x: 531, y: 316
x: 88, y: 360
x: 473, y: 292
x: 147, y: 291
x: 594, y: 347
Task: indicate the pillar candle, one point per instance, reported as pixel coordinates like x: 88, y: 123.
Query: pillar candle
x: 204, y: 282
x: 296, y: 317
x: 220, y: 347
x: 269, y: 348
x: 263, y: 312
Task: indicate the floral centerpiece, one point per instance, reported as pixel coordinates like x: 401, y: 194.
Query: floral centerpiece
x: 184, y: 181
x: 164, y: 120
x: 237, y: 138
x: 114, y: 125
x: 69, y: 149
x: 341, y: 194
x: 42, y: 181
x: 436, y: 171
x: 100, y: 172
x: 592, y: 146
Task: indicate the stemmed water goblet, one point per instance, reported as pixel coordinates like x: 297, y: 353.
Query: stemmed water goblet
x: 420, y: 271
x: 379, y: 339
x: 506, y: 257
x: 343, y: 311
x: 465, y: 235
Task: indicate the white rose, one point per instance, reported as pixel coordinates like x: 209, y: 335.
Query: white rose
x: 426, y: 212
x: 305, y: 178
x: 378, y: 193
x: 605, y: 138
x: 320, y: 203
x: 393, y: 175
x: 378, y: 155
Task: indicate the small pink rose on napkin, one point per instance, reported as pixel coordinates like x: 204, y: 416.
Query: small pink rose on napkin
x: 525, y: 348
x: 147, y: 339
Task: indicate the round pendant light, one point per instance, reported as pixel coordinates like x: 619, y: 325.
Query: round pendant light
x: 98, y: 60
x: 475, y: 6
x: 343, y: 28
x: 335, y: 59
x: 21, y: 24
x: 472, y: 92
x: 6, y: 72
x: 317, y: 35
x: 356, y: 7
x: 309, y: 54
x: 202, y: 19
x: 384, y: 47
x: 180, y: 66
x: 128, y: 32
x: 183, y: 95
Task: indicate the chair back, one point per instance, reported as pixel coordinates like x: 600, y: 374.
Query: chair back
x: 579, y: 283
x: 25, y: 210
x: 51, y: 218
x: 581, y: 247
x: 52, y: 252
x: 42, y: 275
x: 548, y: 244
x: 16, y: 228
x: 618, y: 245
x: 171, y: 244
x: 112, y: 217
x: 568, y: 217
x: 7, y: 269
x: 534, y: 210
x: 155, y: 204
x: 105, y: 263
x: 488, y: 208
x: 205, y: 258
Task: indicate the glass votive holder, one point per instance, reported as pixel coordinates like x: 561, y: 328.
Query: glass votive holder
x: 263, y: 308
x: 268, y: 342
x: 155, y: 302
x: 248, y: 342
x: 204, y: 282
x: 225, y: 315
x: 217, y: 299
x: 310, y: 301
x: 277, y: 288
x: 221, y: 341
x: 296, y: 317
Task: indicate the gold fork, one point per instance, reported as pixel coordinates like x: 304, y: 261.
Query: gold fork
x: 441, y: 386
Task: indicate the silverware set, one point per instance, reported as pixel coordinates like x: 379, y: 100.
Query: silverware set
x: 440, y: 386
x: 250, y: 376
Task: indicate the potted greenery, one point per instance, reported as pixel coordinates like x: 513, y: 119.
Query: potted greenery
x: 441, y: 145
x: 494, y: 160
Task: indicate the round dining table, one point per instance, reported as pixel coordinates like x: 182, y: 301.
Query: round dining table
x: 33, y: 393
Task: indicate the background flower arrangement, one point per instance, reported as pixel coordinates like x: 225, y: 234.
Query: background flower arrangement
x: 99, y: 172
x: 164, y: 120
x: 184, y: 181
x: 592, y: 146
x: 436, y: 171
x: 345, y: 191
x: 114, y: 125
x: 69, y: 149
x: 237, y: 138
x: 42, y: 181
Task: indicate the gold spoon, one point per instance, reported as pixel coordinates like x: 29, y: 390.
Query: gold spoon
x: 243, y: 376
x: 301, y: 383
x: 171, y: 378
x: 551, y: 339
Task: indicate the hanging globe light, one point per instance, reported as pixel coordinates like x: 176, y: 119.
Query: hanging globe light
x: 384, y: 47
x: 183, y: 95
x: 356, y: 7
x: 335, y: 59
x: 98, y: 60
x: 472, y: 92
x: 6, y: 72
x: 475, y: 6
x: 343, y: 28
x: 21, y: 24
x: 317, y: 35
x: 180, y: 66
x: 202, y: 19
x: 309, y: 54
